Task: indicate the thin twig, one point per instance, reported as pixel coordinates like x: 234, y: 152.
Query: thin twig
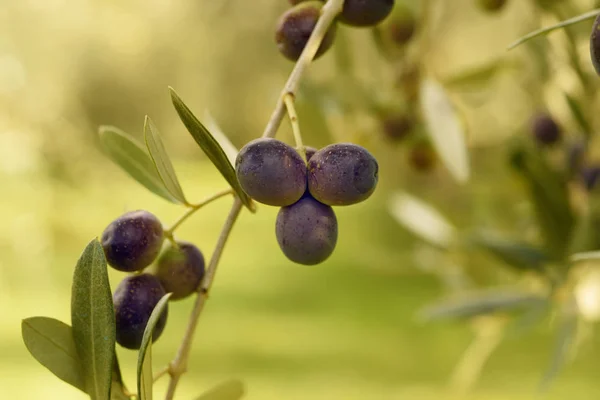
x: 288, y: 99
x: 179, y: 365
x: 328, y: 13
x: 196, y: 207
x: 164, y: 371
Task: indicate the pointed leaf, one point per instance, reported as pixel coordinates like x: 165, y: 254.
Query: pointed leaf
x: 51, y: 343
x: 479, y: 303
x: 144, y: 367
x: 585, y: 256
x: 161, y: 160
x: 445, y: 129
x: 549, y: 195
x: 543, y: 31
x: 565, y: 339
x: 93, y: 320
x: 422, y: 220
x: 211, y: 148
x: 229, y: 390
x: 229, y: 148
x: 579, y: 115
x: 519, y: 255
x: 128, y: 154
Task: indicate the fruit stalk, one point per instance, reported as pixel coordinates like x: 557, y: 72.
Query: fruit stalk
x: 179, y: 365
x: 328, y: 13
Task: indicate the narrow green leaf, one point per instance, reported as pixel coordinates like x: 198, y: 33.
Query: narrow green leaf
x: 549, y: 196
x: 229, y: 390
x: 579, y: 115
x: 479, y: 75
x: 118, y: 390
x: 445, y: 129
x: 422, y: 220
x: 211, y: 148
x: 144, y: 366
x: 161, y: 160
x: 516, y: 254
x: 51, y: 343
x: 543, y: 31
x: 229, y: 148
x: 129, y: 154
x: 565, y: 339
x: 479, y: 303
x: 93, y: 320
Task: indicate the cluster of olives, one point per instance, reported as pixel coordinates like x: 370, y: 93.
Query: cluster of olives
x: 297, y: 24
x: 274, y: 173
x: 133, y: 242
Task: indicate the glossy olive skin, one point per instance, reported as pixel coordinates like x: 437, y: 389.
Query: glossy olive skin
x: 545, y: 129
x: 180, y: 270
x: 310, y: 151
x: 362, y: 13
x: 271, y: 172
x: 295, y: 27
x: 491, y: 5
x: 307, y: 231
x: 132, y: 241
x: 134, y: 299
x: 595, y: 45
x: 342, y: 174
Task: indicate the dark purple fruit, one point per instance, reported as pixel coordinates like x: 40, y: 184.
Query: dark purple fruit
x: 132, y: 241
x: 295, y: 27
x: 310, y: 151
x: 365, y: 12
x: 271, y: 172
x: 306, y: 231
x: 134, y: 299
x: 491, y: 5
x: 342, y: 174
x: 180, y: 270
x: 595, y: 44
x: 545, y: 130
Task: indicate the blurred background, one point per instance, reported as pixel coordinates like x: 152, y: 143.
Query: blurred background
x: 346, y: 329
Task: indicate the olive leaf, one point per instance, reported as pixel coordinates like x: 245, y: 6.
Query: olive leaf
x: 422, y: 220
x: 229, y: 390
x: 565, y: 339
x: 211, y: 148
x: 543, y: 31
x: 550, y: 199
x: 479, y: 303
x: 51, y: 343
x: 213, y: 127
x: 161, y: 160
x: 144, y: 365
x: 579, y: 115
x: 516, y: 254
x: 129, y: 154
x: 445, y: 129
x: 93, y: 321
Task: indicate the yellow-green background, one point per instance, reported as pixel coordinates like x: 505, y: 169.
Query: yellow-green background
x: 345, y: 329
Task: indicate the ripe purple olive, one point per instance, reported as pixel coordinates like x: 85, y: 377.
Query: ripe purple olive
x: 307, y: 231
x: 132, y: 241
x: 134, y: 300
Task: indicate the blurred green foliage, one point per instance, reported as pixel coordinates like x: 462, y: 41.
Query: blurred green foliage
x: 343, y: 330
